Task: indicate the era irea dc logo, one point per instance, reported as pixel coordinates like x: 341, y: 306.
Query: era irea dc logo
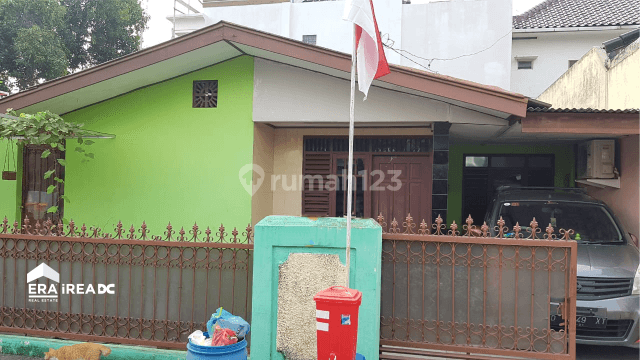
x: 43, y: 293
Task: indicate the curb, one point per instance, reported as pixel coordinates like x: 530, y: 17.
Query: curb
x: 36, y: 347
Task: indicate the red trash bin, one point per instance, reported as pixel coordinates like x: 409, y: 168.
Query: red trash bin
x: 337, y: 322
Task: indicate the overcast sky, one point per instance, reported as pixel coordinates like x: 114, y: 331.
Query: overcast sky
x: 160, y: 28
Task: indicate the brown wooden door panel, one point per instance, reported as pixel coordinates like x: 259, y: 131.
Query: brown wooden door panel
x: 413, y: 183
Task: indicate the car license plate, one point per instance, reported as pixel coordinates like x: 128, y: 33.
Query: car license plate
x: 593, y: 322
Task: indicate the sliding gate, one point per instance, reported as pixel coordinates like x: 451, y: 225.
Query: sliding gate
x: 472, y: 295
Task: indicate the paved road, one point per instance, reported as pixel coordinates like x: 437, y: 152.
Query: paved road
x: 584, y: 353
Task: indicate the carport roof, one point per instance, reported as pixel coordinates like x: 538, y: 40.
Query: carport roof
x: 224, y: 41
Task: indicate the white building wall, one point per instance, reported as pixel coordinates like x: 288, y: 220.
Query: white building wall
x: 324, y: 19
x: 442, y: 29
x: 553, y: 51
x: 449, y: 29
x: 271, y: 18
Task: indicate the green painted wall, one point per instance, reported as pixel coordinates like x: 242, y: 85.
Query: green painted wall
x: 168, y: 161
x: 564, y: 168
x: 10, y: 190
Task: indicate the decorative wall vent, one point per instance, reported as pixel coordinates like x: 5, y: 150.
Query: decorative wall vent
x: 205, y: 94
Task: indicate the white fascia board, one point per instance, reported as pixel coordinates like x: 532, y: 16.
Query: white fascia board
x: 575, y: 29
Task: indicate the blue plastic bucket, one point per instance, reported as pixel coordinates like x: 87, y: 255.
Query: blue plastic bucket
x: 236, y: 351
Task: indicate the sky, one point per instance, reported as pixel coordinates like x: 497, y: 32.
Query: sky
x: 160, y: 28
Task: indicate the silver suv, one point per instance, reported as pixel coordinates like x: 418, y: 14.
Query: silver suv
x: 608, y: 276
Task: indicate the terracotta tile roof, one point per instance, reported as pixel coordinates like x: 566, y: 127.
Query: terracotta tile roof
x: 583, y: 111
x: 579, y: 13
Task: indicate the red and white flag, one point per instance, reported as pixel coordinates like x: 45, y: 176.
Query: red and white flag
x: 371, y: 62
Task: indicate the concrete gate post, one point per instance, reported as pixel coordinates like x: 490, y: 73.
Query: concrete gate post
x: 278, y: 237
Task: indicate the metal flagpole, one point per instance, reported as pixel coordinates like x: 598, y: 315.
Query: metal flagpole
x: 350, y: 165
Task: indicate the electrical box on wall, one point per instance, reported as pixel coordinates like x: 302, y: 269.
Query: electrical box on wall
x: 596, y: 159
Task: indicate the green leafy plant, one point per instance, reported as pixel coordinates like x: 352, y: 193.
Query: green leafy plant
x: 49, y: 130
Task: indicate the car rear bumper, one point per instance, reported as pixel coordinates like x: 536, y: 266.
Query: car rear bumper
x: 623, y: 322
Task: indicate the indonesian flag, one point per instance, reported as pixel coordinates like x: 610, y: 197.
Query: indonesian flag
x: 371, y: 61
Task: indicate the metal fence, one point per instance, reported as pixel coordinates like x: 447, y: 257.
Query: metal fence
x: 165, y: 286
x: 506, y: 295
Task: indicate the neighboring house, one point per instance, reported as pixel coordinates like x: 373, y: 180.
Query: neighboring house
x: 444, y: 30
x: 599, y: 82
x: 283, y: 106
x: 552, y: 36
x: 546, y: 40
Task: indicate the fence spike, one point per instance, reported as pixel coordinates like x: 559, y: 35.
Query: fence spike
x: 169, y: 233
x: 438, y: 226
x: 383, y: 224
x: 60, y: 228
x: 132, y: 233
x: 408, y: 224
x: 469, y: 227
x: 424, y: 228
x: 248, y: 234
x: 208, y: 233
x: 454, y: 229
x: 534, y: 229
x: 221, y: 234
x: 235, y: 235
x: 500, y: 228
x: 48, y: 226
x: 119, y: 230
x: 394, y: 227
x: 95, y: 232
x: 485, y: 229
x: 143, y: 231
x: 26, y: 227
x: 194, y: 232
x: 549, y: 235
x: 516, y: 230
x: 5, y: 225
x: 38, y: 228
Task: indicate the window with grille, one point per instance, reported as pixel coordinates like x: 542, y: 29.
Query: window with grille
x: 35, y: 198
x: 525, y: 64
x: 309, y: 39
x: 205, y: 94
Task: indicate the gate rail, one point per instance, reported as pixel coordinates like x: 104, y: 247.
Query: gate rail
x: 475, y: 294
x: 165, y: 286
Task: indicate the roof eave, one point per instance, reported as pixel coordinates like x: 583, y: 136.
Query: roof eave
x: 574, y: 29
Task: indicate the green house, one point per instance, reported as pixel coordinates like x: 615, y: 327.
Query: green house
x: 229, y: 125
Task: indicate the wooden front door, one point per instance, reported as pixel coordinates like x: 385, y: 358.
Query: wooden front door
x: 401, y: 185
